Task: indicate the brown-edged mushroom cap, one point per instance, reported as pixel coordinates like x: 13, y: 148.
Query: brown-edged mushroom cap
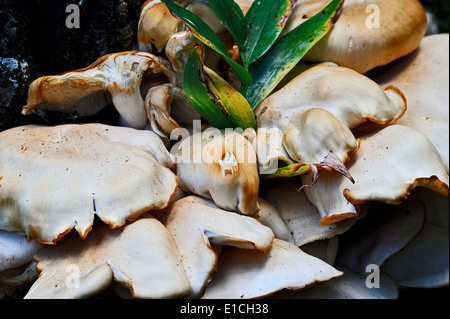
x: 220, y: 165
x: 156, y: 25
x: 167, y: 108
x: 141, y: 256
x: 350, y: 99
x: 425, y: 85
x: 422, y: 76
x: 115, y: 78
x: 199, y: 228
x: 390, y: 163
x: 367, y: 34
x: 54, y: 179
x: 252, y: 274
x: 301, y: 217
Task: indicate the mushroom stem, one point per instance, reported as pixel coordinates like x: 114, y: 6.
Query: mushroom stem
x: 130, y: 106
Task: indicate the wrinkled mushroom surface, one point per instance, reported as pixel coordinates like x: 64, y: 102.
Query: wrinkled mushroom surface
x: 390, y: 163
x: 316, y: 110
x: 200, y: 228
x: 141, y: 256
x: 54, y: 179
x: 301, y: 217
x: 115, y: 78
x: 220, y: 165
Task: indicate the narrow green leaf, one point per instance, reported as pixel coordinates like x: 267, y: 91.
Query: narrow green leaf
x: 288, y: 171
x: 217, y: 101
x: 230, y: 14
x: 205, y: 34
x: 265, y: 20
x: 287, y: 51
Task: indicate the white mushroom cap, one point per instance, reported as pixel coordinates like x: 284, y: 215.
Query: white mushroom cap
x: 385, y: 230
x: 178, y: 49
x: 367, y: 34
x: 54, y: 179
x: 269, y: 216
x: 423, y: 77
x: 350, y: 99
x: 252, y: 274
x: 141, y: 256
x: 167, y: 107
x: 198, y: 226
x: 115, y: 78
x: 269, y: 148
x: 301, y: 217
x: 388, y: 166
x: 156, y: 25
x: 220, y: 165
x: 15, y: 250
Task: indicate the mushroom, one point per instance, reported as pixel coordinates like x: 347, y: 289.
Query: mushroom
x: 385, y: 230
x: 269, y: 216
x: 115, y: 77
x: 301, y: 217
x: 367, y: 34
x: 252, y: 274
x: 425, y: 86
x: 424, y: 83
x: 219, y: 165
x: 156, y: 25
x: 140, y: 256
x: 316, y: 110
x: 178, y: 49
x: 324, y: 249
x: 167, y: 108
x: 54, y: 179
x: 199, y: 228
x: 390, y: 163
x: 15, y: 250
x: 406, y: 267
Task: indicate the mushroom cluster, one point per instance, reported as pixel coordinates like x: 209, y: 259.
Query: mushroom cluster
x: 168, y: 206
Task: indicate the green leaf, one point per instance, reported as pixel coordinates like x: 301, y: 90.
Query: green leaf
x: 216, y: 100
x: 287, y: 51
x: 265, y: 20
x: 288, y: 171
x: 205, y: 34
x: 231, y: 16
